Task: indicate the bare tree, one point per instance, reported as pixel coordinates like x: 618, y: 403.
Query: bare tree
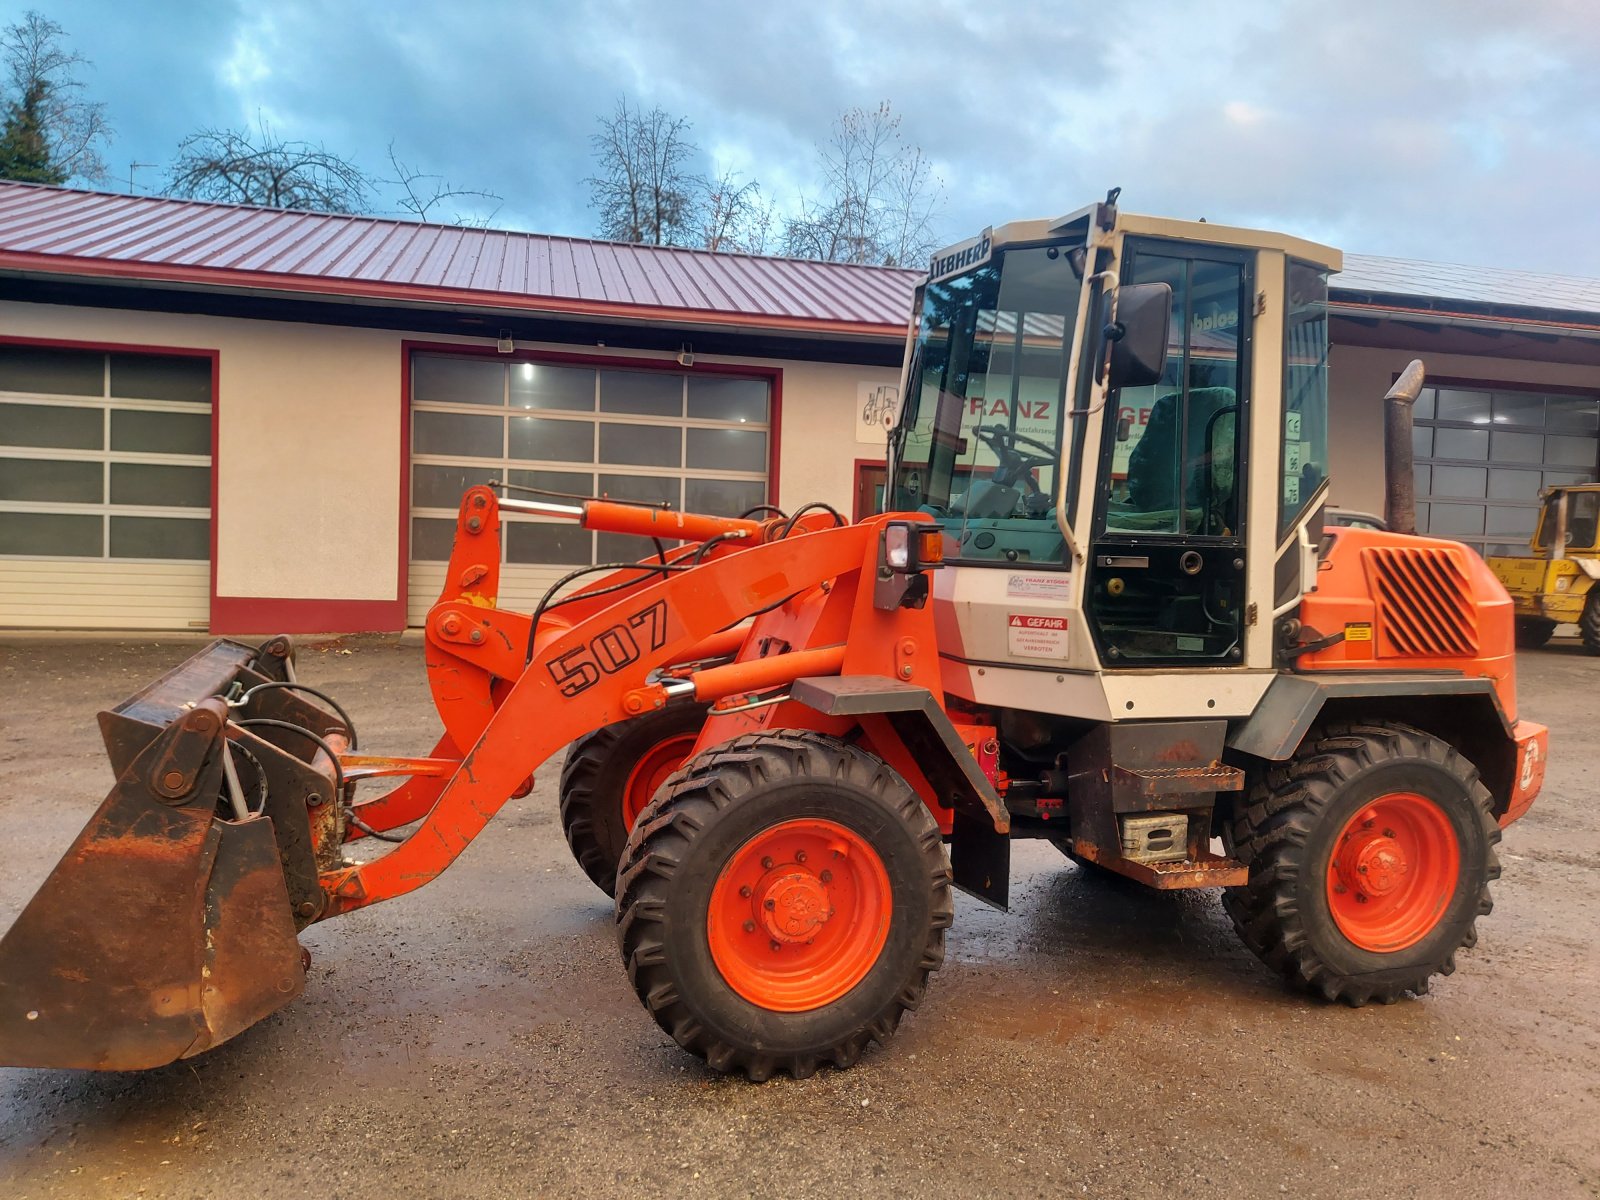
x: 733, y: 216
x: 50, y: 133
x: 422, y: 193
x: 263, y: 169
x: 645, y: 190
x: 880, y: 197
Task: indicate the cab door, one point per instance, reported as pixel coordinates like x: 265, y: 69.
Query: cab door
x: 1166, y: 582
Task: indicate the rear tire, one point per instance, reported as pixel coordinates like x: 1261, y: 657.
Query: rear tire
x: 721, y: 887
x: 609, y: 777
x: 1589, y: 623
x: 1370, y: 856
x: 1533, y: 632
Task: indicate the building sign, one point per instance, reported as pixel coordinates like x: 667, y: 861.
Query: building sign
x: 877, y: 405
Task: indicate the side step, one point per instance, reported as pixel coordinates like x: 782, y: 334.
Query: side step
x: 1140, y: 797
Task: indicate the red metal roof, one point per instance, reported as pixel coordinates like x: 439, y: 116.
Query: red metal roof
x: 63, y: 231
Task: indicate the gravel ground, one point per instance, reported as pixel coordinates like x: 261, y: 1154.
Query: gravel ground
x: 479, y: 1037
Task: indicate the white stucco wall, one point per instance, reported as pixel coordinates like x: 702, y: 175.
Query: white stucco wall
x: 308, y: 432
x: 309, y: 439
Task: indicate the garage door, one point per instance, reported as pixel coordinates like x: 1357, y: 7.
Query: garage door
x: 695, y: 441
x: 105, y: 489
x: 1483, y: 454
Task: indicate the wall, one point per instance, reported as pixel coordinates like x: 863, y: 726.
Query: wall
x: 308, y: 522
x: 1360, y: 376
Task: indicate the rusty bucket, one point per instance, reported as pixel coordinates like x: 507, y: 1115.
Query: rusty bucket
x: 170, y: 924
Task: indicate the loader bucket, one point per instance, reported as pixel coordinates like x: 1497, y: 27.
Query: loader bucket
x: 170, y: 924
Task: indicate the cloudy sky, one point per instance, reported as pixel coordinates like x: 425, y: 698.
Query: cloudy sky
x: 1455, y: 130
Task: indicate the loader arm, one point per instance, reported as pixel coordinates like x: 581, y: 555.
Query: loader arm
x: 582, y: 675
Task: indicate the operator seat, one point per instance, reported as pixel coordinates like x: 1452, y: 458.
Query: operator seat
x: 1153, y: 470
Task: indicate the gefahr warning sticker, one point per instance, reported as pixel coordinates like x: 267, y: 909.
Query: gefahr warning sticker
x: 1036, y: 637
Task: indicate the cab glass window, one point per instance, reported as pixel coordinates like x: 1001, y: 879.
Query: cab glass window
x: 1175, y: 470
x: 1305, y: 392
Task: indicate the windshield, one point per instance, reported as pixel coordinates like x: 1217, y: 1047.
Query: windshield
x: 979, y: 440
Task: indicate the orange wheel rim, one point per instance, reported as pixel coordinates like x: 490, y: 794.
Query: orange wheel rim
x: 1393, y: 872
x: 651, y: 771
x: 799, y: 915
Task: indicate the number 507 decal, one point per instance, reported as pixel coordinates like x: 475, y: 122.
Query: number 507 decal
x: 580, y: 668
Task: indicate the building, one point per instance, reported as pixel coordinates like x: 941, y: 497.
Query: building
x: 254, y: 421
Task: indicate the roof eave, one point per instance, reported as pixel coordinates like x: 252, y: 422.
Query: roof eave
x: 1443, y: 311
x: 387, y: 294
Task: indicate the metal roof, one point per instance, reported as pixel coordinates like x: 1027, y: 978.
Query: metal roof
x: 1366, y: 274
x: 66, y: 231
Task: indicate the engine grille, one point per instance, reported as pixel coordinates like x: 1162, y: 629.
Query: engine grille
x: 1425, y: 606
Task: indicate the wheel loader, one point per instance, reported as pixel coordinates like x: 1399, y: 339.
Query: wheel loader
x: 1555, y: 583
x: 791, y: 736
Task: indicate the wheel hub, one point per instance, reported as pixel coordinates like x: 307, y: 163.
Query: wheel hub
x: 1393, y: 872
x: 1373, y: 866
x: 799, y: 914
x: 794, y: 905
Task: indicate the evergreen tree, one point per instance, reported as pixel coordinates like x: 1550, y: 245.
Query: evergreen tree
x: 24, y: 150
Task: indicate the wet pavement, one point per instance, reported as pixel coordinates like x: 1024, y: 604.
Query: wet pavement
x: 479, y: 1037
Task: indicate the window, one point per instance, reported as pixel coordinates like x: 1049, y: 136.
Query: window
x: 104, y: 455
x: 1305, y: 392
x: 1175, y: 472
x: 1483, y: 454
x: 980, y: 447
x: 696, y: 443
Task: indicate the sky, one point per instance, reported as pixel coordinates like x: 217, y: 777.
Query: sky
x: 1463, y: 131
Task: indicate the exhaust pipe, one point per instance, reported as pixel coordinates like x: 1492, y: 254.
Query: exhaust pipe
x: 1400, y: 499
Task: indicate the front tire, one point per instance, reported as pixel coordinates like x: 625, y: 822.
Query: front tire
x: 610, y: 776
x: 783, y: 903
x: 1370, y: 855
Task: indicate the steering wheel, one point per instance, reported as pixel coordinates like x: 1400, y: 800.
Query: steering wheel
x: 1015, y: 466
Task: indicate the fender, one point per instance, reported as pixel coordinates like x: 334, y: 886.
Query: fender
x: 980, y: 843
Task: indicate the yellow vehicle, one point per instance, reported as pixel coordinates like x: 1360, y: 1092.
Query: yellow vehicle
x: 1556, y: 584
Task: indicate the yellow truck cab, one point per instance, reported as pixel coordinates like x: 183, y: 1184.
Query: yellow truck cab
x: 1556, y: 583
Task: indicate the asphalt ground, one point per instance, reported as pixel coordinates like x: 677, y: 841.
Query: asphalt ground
x: 479, y: 1037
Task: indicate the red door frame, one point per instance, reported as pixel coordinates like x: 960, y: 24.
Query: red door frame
x: 215, y: 359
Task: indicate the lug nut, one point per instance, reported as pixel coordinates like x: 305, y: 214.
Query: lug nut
x: 749, y: 926
x: 769, y: 905
x: 1361, y: 898
x: 767, y: 864
x: 827, y: 877
x: 799, y: 856
x: 1388, y: 833
x: 745, y: 891
x: 776, y: 947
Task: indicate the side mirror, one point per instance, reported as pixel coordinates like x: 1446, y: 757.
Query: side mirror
x: 1139, y: 335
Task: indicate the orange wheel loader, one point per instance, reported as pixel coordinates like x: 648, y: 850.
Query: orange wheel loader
x: 1102, y: 610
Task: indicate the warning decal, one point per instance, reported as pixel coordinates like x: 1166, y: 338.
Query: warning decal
x: 1036, y: 637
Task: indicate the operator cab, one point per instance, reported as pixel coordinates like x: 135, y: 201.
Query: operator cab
x: 1046, y: 432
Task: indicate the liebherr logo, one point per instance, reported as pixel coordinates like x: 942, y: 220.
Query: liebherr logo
x: 961, y: 256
